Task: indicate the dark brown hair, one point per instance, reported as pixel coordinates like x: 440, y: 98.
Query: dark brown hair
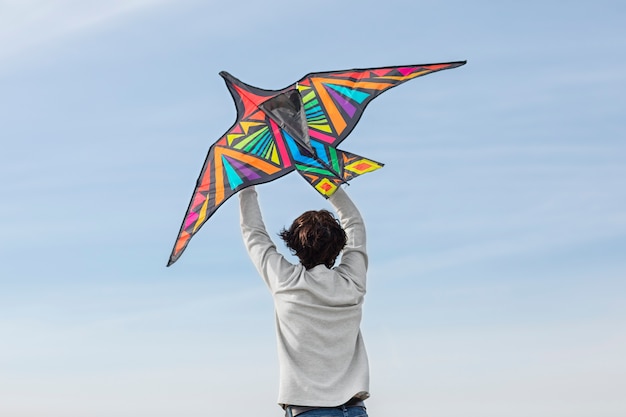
x: 315, y: 237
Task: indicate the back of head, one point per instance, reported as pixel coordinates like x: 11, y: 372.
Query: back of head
x: 315, y: 237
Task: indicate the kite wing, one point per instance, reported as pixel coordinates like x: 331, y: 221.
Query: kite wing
x: 334, y: 101
x: 252, y: 151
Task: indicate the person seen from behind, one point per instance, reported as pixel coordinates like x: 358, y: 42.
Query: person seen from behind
x: 323, y: 364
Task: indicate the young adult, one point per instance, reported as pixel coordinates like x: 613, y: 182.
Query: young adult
x: 318, y: 307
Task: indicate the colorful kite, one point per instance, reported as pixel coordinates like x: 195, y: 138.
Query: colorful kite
x: 296, y: 128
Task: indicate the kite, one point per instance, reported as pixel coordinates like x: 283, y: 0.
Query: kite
x: 296, y: 128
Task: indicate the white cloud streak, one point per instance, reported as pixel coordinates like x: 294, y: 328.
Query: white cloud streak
x: 25, y: 24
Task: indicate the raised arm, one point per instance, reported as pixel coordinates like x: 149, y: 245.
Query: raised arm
x: 354, y: 257
x: 267, y: 260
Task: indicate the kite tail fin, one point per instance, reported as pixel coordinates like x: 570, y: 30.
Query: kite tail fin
x: 355, y: 165
x: 345, y: 166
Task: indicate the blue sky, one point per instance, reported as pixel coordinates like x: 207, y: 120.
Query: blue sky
x: 497, y: 228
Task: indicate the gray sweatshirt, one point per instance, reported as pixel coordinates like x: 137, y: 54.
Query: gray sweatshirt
x: 322, y: 357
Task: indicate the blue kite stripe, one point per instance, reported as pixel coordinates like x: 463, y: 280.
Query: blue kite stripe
x: 296, y: 154
x: 320, y: 150
x: 356, y: 95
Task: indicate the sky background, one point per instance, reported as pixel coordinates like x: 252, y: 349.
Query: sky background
x: 497, y: 228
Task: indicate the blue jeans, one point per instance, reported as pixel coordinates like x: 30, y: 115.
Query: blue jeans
x: 341, y: 411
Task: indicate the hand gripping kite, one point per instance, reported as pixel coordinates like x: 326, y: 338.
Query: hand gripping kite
x: 296, y: 128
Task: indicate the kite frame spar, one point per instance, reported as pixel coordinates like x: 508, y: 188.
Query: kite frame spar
x: 294, y: 128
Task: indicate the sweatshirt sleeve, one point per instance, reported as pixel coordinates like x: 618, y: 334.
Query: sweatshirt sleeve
x: 354, y: 257
x: 270, y: 264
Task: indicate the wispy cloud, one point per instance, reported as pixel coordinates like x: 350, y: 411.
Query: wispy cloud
x: 25, y: 24
x: 491, y: 249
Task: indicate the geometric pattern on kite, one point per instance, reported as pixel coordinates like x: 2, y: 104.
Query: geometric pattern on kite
x: 295, y: 128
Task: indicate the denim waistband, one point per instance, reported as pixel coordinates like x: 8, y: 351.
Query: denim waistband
x: 295, y: 410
